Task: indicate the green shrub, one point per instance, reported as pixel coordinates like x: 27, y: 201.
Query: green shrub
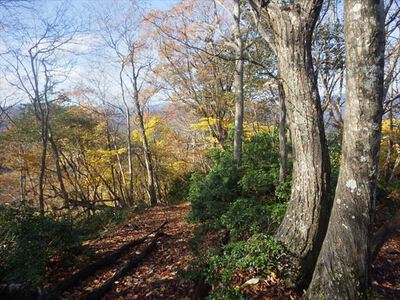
x: 210, y: 194
x: 259, y: 255
x: 178, y: 190
x: 28, y: 240
x: 247, y: 202
x: 257, y: 177
x: 101, y: 222
x: 246, y: 217
x: 283, y: 190
x: 260, y: 165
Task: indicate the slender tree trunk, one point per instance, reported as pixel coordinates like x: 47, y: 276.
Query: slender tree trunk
x: 304, y: 225
x: 56, y: 155
x: 122, y: 181
x: 151, y: 188
x: 387, y: 166
x: 238, y: 82
x: 22, y: 185
x: 395, y: 166
x: 44, y: 137
x: 130, y: 157
x: 282, y: 135
x: 342, y: 270
x: 129, y: 137
x: 151, y: 184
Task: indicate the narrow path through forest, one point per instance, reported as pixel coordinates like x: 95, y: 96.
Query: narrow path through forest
x: 155, y: 276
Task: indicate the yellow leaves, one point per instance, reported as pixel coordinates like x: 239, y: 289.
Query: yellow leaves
x: 393, y: 135
x: 153, y: 125
x: 390, y: 134
x: 205, y: 123
x: 102, y: 157
x: 251, y: 128
x: 178, y: 166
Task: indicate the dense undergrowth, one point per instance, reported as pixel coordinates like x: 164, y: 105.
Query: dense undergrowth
x: 28, y: 240
x: 239, y: 211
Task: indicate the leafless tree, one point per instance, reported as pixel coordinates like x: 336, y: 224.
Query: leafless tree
x: 33, y: 63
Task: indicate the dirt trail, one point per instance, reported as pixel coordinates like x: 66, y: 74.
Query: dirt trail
x: 156, y: 276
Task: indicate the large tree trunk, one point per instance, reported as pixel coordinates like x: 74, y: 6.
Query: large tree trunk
x: 239, y: 95
x: 342, y: 270
x: 304, y: 225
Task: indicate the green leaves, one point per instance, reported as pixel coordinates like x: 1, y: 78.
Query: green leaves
x: 259, y: 255
x: 28, y: 240
x: 246, y: 217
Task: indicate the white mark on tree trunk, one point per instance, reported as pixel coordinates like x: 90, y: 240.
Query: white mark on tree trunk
x: 357, y: 10
x: 351, y: 184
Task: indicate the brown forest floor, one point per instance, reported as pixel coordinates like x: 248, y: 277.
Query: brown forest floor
x: 156, y: 276
x: 386, y: 269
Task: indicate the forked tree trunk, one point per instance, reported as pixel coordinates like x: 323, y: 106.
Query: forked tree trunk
x: 342, y: 270
x: 151, y: 182
x: 304, y: 224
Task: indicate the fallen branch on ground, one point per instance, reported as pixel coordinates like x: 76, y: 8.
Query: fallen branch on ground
x: 99, y: 292
x: 105, y: 261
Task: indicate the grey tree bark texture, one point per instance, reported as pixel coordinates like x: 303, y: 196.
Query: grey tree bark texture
x: 283, y: 155
x: 342, y: 270
x: 239, y: 95
x: 288, y: 28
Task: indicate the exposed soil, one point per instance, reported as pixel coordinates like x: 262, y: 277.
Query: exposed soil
x: 156, y: 276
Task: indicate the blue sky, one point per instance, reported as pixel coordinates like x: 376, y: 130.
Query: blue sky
x: 152, y: 4
x: 78, y: 12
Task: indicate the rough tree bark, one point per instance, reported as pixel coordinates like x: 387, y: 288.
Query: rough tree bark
x: 238, y: 82
x: 282, y: 135
x: 288, y: 28
x: 342, y: 270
